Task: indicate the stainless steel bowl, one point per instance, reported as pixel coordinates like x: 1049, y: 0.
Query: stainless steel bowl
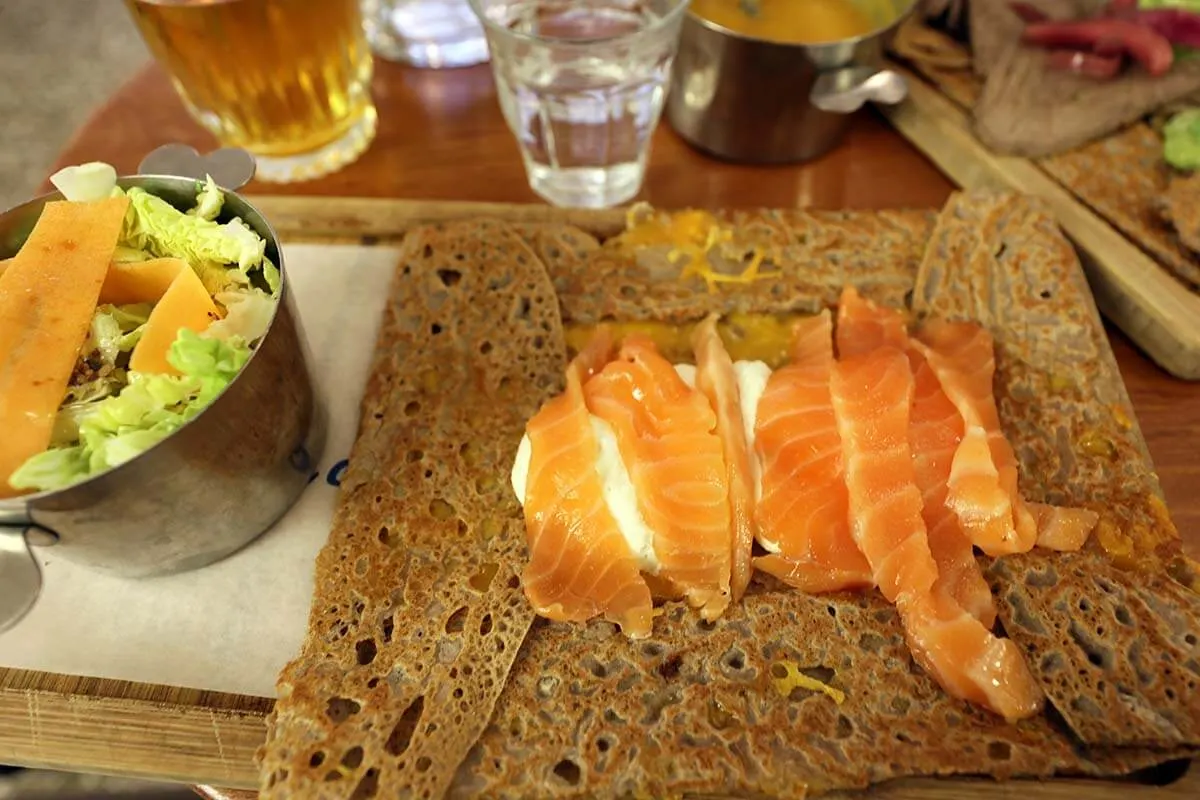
x: 204, y: 492
x: 751, y: 100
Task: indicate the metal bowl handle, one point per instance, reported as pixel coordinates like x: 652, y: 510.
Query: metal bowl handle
x: 844, y: 91
x: 20, y: 575
x: 231, y: 167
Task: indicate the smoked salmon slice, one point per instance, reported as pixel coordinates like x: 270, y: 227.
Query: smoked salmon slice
x: 934, y: 432
x: 716, y: 379
x: 812, y: 342
x: 1064, y: 529
x: 667, y: 435
x: 872, y: 395
x: 966, y: 659
x: 803, y: 512
x: 982, y: 486
x: 580, y: 565
x: 863, y: 326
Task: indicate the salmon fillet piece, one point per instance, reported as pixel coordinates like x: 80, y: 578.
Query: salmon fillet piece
x: 863, y: 326
x: 1063, y: 529
x: 966, y: 659
x: 667, y: 435
x: 934, y: 433
x: 715, y: 378
x: 580, y: 565
x: 872, y: 396
x: 983, y: 489
x: 803, y: 510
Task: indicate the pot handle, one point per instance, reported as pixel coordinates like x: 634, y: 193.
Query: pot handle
x: 843, y: 91
x: 20, y: 575
x: 231, y: 167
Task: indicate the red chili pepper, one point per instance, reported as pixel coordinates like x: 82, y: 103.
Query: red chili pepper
x: 1081, y: 63
x: 1029, y: 12
x: 1142, y: 43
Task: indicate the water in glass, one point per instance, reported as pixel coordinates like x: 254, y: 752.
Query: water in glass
x: 582, y: 86
x: 425, y: 33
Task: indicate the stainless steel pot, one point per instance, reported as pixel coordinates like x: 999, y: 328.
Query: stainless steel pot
x: 204, y: 492
x: 750, y: 100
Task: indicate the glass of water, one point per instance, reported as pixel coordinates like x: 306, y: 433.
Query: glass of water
x: 582, y: 84
x: 425, y: 33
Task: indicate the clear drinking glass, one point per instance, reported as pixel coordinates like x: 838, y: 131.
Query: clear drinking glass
x: 582, y: 84
x: 425, y: 33
x: 287, y: 80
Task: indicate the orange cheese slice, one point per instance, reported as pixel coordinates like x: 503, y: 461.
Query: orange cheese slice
x: 185, y: 304
x: 140, y: 281
x: 48, y: 295
x: 134, y: 281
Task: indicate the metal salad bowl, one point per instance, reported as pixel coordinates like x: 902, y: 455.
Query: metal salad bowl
x: 205, y: 491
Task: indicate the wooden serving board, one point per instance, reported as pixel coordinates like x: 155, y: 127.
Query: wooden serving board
x: 201, y: 737
x: 1154, y: 309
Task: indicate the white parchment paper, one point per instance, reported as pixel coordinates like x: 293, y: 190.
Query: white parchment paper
x: 232, y: 626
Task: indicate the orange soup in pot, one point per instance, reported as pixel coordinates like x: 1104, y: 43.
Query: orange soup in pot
x: 789, y: 21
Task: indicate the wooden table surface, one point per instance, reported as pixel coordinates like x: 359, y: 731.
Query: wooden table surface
x: 441, y: 136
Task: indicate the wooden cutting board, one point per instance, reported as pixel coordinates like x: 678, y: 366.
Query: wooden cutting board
x: 1154, y: 309
x: 201, y: 737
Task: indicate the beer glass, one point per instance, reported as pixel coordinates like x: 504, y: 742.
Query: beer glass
x: 286, y: 80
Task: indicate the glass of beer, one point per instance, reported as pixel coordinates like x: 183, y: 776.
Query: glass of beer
x: 286, y: 80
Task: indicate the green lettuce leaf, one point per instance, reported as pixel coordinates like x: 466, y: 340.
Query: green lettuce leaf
x: 218, y: 278
x: 209, y: 200
x: 65, y: 432
x: 116, y: 329
x: 85, y: 394
x: 271, y: 276
x: 1189, y: 5
x: 212, y: 363
x: 80, y: 401
x: 247, y: 315
x: 52, y: 469
x: 130, y: 316
x: 128, y: 254
x: 155, y: 225
x: 148, y: 409
x: 104, y: 337
x: 1185, y: 53
x: 1181, y: 140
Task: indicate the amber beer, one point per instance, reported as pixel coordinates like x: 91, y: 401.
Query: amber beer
x: 287, y: 80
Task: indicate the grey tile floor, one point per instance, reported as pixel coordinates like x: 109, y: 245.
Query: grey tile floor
x: 58, y: 60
